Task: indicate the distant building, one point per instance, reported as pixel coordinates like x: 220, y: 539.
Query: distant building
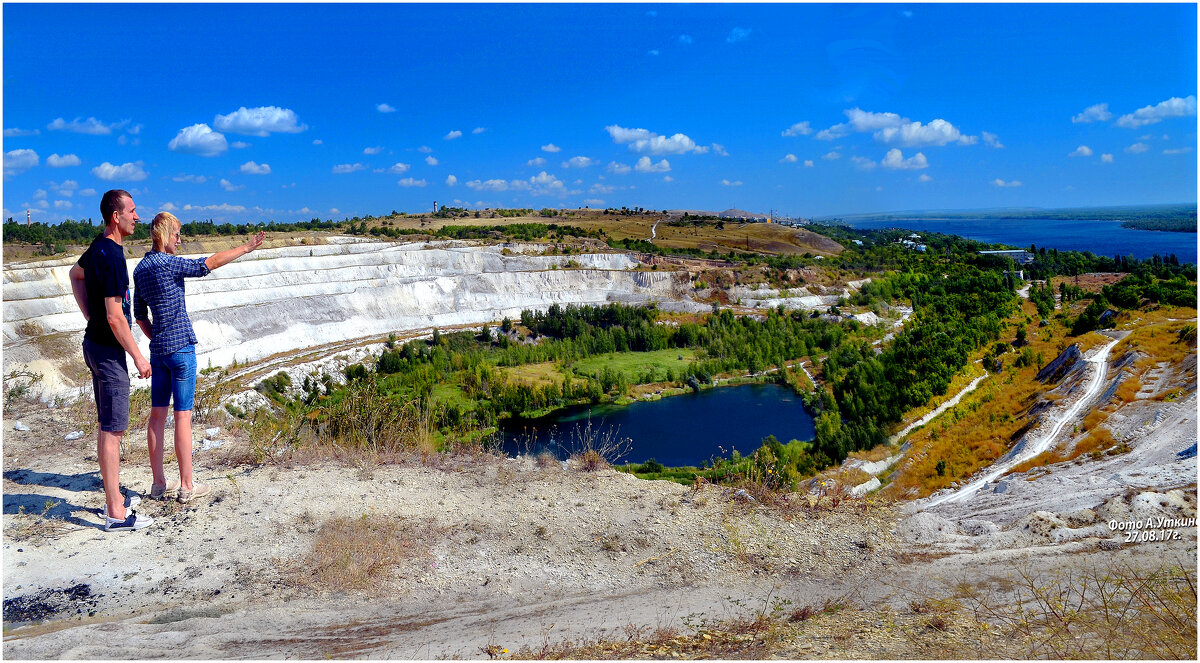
x: 1021, y: 256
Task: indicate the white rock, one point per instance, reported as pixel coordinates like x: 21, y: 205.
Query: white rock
x: 211, y: 432
x: 73, y: 435
x: 20, y: 426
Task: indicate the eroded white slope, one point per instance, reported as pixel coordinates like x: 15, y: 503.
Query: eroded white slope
x: 293, y: 298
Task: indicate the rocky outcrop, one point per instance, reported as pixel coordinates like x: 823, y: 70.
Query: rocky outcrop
x: 1056, y: 370
x: 300, y: 297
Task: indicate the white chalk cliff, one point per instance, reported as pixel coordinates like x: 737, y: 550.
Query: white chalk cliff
x: 294, y: 298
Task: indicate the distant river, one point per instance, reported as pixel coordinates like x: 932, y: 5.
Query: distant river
x: 1103, y: 238
x: 688, y: 429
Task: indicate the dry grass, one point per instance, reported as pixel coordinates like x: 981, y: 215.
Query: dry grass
x: 1117, y: 612
x: 361, y: 554
x: 1127, y: 391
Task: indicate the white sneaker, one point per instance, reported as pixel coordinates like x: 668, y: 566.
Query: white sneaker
x: 131, y: 522
x: 131, y: 500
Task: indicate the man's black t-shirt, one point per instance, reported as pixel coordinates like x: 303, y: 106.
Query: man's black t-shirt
x: 105, y: 275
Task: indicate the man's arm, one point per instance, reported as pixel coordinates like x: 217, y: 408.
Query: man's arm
x: 79, y: 288
x: 146, y: 328
x: 225, y: 257
x: 120, y: 329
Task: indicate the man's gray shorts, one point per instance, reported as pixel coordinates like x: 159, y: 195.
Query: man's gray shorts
x: 110, y: 384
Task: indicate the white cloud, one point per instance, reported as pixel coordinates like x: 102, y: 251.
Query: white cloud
x: 56, y: 161
x: 197, y: 179
x: 62, y: 204
x: 431, y: 160
x: 424, y: 149
x: 199, y: 139
x: 42, y: 204
x: 1081, y: 151
x: 991, y: 139
x: 733, y: 183
x: 239, y: 144
x: 169, y: 207
x: 719, y: 150
x: 797, y: 129
x: 924, y: 178
x: 544, y: 184
x: 684, y: 39
x: 1001, y: 183
x: 489, y: 185
x: 668, y: 178
x: 223, y: 207
x: 551, y: 147
x: 373, y: 150
x: 66, y: 189
x: 385, y: 108
x: 536, y: 162
x: 738, y: 34
x: 252, y: 168
x: 892, y: 128
x: 1096, y: 113
x: 653, y: 51
x: 451, y: 180
x: 408, y: 181
x: 789, y: 158
x: 601, y: 189
x: 39, y: 194
x: 641, y: 140
x: 831, y: 156
x: 862, y: 120
x: 577, y: 162
x: 618, y: 168
x: 1137, y: 148
x: 318, y: 141
x: 915, y: 134
x: 865, y: 163
x: 230, y: 186
x: 1178, y: 150
x: 261, y: 121
x: 1106, y: 158
x: 452, y: 135
x: 834, y: 132
x: 644, y: 165
x: 808, y: 163
x: 1173, y: 107
x: 131, y: 172
x: 90, y: 126
x: 347, y: 168
x: 14, y: 132
x: 399, y: 168
x: 478, y: 130
x: 87, y: 192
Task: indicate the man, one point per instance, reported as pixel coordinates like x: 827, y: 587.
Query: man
x: 100, y: 282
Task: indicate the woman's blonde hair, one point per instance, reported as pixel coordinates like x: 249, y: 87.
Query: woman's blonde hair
x: 161, y: 228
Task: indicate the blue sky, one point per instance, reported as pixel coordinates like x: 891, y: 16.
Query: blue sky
x: 242, y: 112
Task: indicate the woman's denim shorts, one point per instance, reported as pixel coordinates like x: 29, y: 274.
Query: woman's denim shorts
x: 173, y: 375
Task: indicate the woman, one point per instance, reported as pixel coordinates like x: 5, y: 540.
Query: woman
x: 159, y: 284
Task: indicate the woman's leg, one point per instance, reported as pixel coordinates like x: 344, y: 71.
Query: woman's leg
x: 155, y: 432
x: 160, y: 400
x: 183, y: 447
x: 184, y: 391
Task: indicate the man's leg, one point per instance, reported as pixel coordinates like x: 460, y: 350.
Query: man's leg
x: 108, y: 451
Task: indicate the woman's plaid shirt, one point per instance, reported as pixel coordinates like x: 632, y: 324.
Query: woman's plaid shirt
x: 158, y: 281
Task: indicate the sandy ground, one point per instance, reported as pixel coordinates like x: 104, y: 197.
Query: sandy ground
x: 506, y: 552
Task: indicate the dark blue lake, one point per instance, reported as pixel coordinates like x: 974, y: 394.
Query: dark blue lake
x: 688, y: 429
x: 1103, y: 238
